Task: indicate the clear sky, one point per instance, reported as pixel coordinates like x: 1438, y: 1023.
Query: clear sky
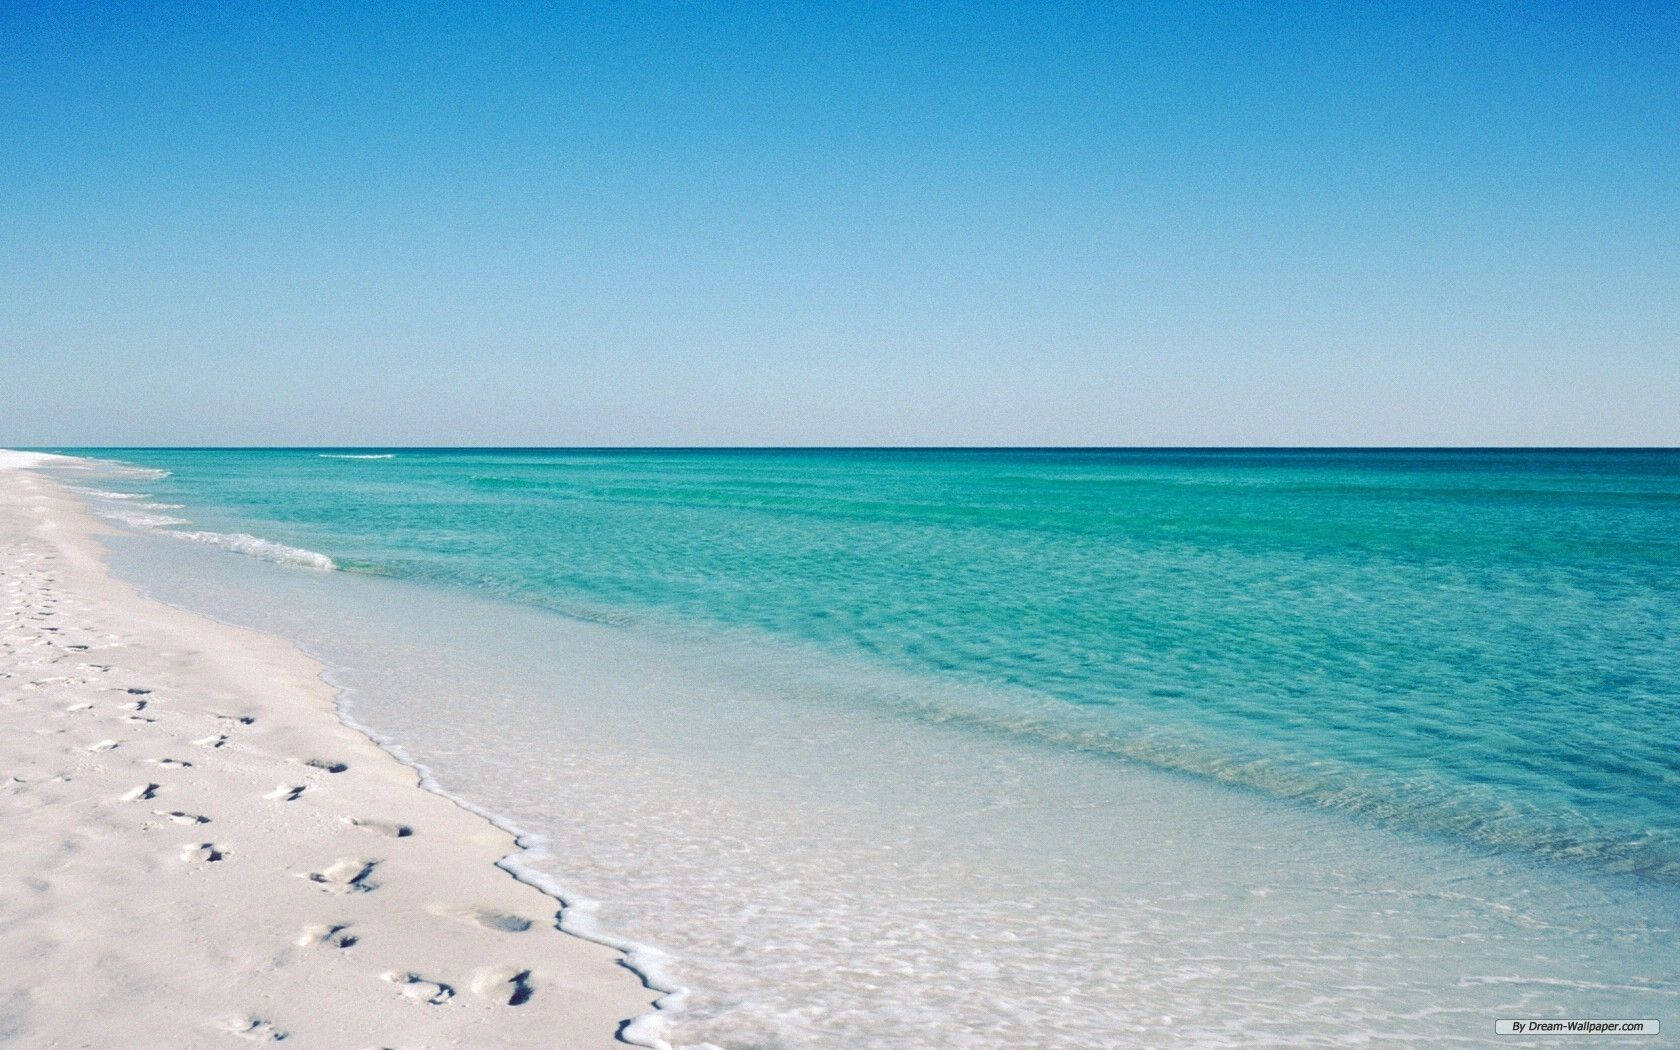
x: 684, y: 223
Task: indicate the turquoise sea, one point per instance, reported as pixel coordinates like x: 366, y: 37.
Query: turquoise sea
x: 1449, y: 677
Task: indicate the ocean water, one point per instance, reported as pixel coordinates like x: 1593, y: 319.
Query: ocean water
x: 998, y: 749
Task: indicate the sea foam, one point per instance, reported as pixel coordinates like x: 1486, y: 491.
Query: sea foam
x: 128, y: 471
x: 141, y: 520
x: 124, y: 510
x: 257, y: 547
x: 111, y: 495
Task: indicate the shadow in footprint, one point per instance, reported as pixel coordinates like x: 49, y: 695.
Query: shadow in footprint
x: 255, y: 1029
x: 503, y: 985
x: 344, y: 876
x: 180, y: 817
x: 418, y: 988
x: 390, y: 829
x: 337, y: 935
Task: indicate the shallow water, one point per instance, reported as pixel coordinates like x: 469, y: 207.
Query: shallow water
x: 1031, y: 749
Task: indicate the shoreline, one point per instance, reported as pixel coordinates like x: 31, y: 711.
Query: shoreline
x: 833, y: 874
x: 321, y: 891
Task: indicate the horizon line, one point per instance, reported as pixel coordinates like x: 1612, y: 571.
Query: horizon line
x: 857, y: 448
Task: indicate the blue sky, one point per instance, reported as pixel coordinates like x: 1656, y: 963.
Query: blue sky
x: 844, y: 224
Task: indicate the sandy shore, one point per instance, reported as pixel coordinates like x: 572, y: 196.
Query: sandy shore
x: 199, y: 852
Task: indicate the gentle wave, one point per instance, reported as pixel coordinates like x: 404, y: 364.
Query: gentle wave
x: 140, y: 520
x: 364, y: 455
x: 118, y: 469
x: 257, y: 547
x: 111, y: 495
x: 1472, y: 813
x: 163, y: 524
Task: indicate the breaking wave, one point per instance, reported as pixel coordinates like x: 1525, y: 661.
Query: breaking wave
x: 141, y: 520
x: 115, y: 469
x: 111, y: 495
x: 257, y: 547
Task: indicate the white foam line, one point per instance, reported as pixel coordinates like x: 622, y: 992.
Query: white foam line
x: 576, y: 912
x: 111, y: 495
x: 138, y: 520
x: 238, y: 542
x: 257, y: 547
x: 128, y: 470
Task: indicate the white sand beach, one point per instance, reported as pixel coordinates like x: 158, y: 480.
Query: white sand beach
x: 199, y: 852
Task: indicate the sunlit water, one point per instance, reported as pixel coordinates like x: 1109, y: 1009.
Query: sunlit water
x: 1019, y: 749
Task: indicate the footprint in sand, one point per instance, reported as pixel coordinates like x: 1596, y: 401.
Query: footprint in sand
x: 211, y: 741
x: 337, y: 935
x: 79, y: 707
x: 103, y: 745
x: 326, y: 764
x: 387, y: 828
x: 172, y: 763
x: 504, y: 984
x: 181, y: 817
x: 489, y: 918
x: 344, y: 876
x: 201, y: 853
x: 137, y: 705
x: 286, y: 793
x: 136, y: 794
x: 418, y: 988
x: 256, y: 1029
x: 138, y: 692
